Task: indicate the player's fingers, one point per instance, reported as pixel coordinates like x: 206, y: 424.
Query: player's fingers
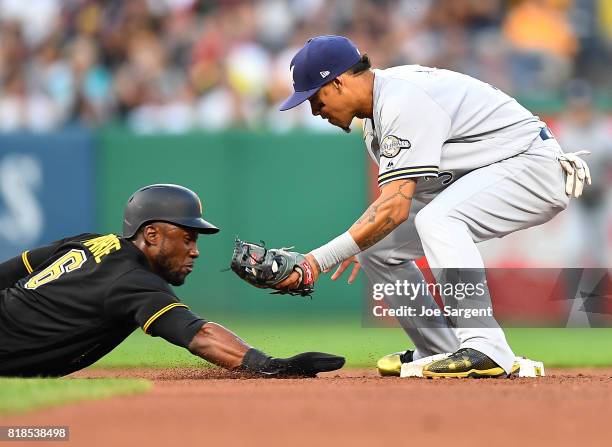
x: 291, y: 282
x: 580, y: 176
x: 354, y: 273
x: 341, y: 268
x: 569, y: 183
x: 567, y: 166
x: 580, y: 172
x: 579, y: 187
x: 587, y: 172
x: 571, y: 157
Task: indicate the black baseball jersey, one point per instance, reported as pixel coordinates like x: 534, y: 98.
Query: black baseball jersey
x: 72, y: 302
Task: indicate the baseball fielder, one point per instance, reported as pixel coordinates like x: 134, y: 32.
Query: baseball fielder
x: 460, y: 162
x: 66, y: 305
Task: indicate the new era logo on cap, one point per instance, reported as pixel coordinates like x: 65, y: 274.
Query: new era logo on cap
x: 321, y: 60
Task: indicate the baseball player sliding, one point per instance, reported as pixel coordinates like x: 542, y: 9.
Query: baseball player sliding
x: 460, y: 162
x: 66, y: 305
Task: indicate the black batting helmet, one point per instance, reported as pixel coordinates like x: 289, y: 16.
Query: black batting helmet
x: 166, y: 203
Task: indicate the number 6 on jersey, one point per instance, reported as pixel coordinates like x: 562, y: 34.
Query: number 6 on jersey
x: 73, y: 260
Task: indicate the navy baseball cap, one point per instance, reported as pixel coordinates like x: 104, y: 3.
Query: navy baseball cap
x: 321, y: 60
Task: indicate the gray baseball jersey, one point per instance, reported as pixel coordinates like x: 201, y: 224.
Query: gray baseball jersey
x: 486, y: 169
x: 430, y: 123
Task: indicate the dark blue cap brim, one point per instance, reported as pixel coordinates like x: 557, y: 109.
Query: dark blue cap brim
x: 298, y: 98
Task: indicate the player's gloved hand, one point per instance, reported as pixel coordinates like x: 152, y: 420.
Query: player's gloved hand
x: 577, y: 172
x: 306, y: 364
x: 295, y: 281
x: 344, y: 265
x: 287, y: 271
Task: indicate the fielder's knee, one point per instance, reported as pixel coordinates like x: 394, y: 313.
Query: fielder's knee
x: 428, y: 220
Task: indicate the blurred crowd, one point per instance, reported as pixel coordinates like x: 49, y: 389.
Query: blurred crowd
x: 177, y: 65
x: 172, y: 66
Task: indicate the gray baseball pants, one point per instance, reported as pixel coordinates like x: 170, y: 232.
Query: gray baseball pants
x: 493, y: 201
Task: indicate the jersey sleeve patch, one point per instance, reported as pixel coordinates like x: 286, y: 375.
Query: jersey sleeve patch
x: 159, y: 313
x: 415, y: 171
x: 392, y: 145
x: 26, y: 262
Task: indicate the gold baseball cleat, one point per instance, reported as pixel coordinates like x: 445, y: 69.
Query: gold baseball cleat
x: 391, y: 364
x: 467, y: 362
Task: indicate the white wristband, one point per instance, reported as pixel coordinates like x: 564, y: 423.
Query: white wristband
x: 335, y: 251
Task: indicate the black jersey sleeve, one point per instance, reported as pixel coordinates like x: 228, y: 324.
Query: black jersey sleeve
x: 178, y: 326
x: 147, y: 300
x: 12, y: 271
x: 21, y: 266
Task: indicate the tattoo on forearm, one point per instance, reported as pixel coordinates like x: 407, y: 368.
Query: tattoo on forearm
x: 400, y: 190
x: 379, y: 234
x: 369, y: 217
x: 370, y: 214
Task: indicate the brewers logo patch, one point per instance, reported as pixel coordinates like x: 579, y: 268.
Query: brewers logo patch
x: 391, y: 145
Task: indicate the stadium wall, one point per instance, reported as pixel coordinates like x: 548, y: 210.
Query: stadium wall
x: 293, y: 189
x: 46, y: 188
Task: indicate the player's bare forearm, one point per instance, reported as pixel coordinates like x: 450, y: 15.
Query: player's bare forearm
x: 219, y: 345
x: 388, y: 211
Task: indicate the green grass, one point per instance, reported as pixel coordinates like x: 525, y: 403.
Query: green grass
x: 362, y: 347
x: 20, y: 395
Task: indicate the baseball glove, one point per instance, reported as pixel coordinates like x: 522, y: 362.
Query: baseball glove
x: 306, y: 364
x: 265, y: 268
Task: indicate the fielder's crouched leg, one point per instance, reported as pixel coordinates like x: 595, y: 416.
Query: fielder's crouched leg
x: 392, y: 260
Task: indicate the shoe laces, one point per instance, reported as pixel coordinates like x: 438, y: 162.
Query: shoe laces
x: 459, y: 354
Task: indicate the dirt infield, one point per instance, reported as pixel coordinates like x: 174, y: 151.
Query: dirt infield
x: 352, y: 408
